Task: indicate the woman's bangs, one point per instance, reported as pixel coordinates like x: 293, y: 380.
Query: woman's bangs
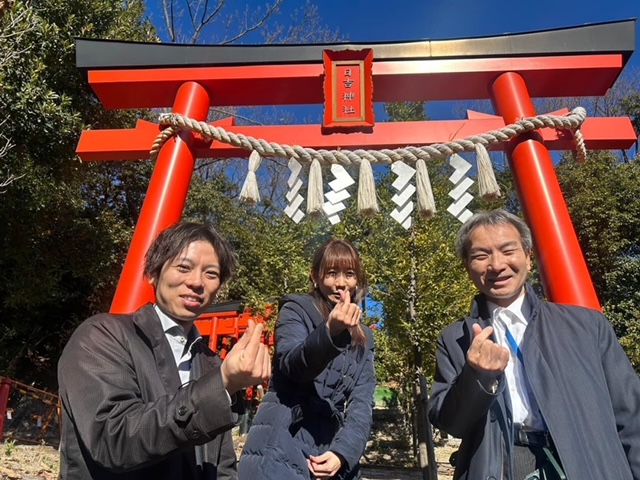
x: 340, y: 260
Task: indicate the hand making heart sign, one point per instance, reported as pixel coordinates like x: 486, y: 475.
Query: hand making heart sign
x: 344, y: 315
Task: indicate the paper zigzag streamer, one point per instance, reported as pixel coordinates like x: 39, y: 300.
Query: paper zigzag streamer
x: 459, y: 193
x: 402, y: 214
x: 338, y: 193
x: 294, y: 199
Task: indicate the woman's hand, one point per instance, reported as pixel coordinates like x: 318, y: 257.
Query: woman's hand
x: 324, y: 466
x: 344, y: 315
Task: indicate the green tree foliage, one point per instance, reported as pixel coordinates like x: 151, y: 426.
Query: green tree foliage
x: 66, y: 226
x: 442, y: 293
x: 603, y: 196
x: 274, y: 252
x: 61, y: 244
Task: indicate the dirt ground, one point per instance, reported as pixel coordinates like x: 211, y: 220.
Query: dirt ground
x: 40, y: 462
x: 388, y: 456
x: 28, y: 462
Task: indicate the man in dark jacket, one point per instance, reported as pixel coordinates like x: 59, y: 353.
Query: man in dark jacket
x: 528, y: 385
x: 142, y: 395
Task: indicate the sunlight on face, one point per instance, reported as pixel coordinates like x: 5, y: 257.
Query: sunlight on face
x: 335, y: 280
x: 188, y: 283
x: 497, y: 263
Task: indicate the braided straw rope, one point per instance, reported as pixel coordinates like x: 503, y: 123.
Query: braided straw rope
x: 176, y: 122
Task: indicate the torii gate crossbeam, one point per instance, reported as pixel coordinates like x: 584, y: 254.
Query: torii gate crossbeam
x: 508, y: 69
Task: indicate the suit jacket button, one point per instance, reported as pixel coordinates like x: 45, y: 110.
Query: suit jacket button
x: 492, y: 416
x: 195, y: 434
x: 182, y: 411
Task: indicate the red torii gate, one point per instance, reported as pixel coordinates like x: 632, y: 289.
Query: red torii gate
x: 509, y: 70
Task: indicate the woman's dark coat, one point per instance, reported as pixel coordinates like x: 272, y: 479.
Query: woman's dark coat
x: 320, y: 398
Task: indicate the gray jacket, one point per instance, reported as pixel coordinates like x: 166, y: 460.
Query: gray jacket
x: 125, y: 414
x: 587, y: 390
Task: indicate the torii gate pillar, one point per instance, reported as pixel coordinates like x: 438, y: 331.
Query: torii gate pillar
x: 542, y: 201
x: 165, y: 199
x: 508, y: 69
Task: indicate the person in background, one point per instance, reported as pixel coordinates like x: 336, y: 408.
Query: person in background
x: 534, y: 389
x: 142, y: 395
x: 316, y: 418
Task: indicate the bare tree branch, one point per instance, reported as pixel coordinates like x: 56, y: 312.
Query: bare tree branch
x: 206, y: 19
x: 201, y: 14
x: 8, y: 181
x: 4, y: 150
x: 169, y: 18
x: 15, y: 27
x: 230, y: 112
x: 303, y: 27
x: 257, y: 23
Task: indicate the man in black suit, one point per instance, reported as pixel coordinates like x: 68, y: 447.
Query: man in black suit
x: 142, y: 396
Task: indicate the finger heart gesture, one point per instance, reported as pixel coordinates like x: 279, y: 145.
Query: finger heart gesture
x: 344, y: 315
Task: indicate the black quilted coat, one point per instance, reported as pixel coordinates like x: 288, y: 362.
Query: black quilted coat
x: 320, y: 398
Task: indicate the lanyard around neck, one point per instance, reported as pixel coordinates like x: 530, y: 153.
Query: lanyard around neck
x: 514, y: 345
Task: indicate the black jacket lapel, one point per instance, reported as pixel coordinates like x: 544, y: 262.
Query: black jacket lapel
x: 149, y: 324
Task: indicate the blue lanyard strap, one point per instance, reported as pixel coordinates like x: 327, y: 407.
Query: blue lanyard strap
x: 514, y: 345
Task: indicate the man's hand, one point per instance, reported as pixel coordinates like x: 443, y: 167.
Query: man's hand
x: 484, y: 355
x: 344, y: 315
x: 248, y: 362
x: 324, y: 466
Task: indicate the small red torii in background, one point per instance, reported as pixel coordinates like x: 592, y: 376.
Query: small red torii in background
x: 224, y: 323
x: 509, y: 70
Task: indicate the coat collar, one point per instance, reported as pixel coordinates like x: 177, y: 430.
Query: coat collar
x: 530, y: 306
x: 147, y: 321
x: 307, y: 304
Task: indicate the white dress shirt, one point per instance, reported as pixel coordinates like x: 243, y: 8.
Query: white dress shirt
x: 523, y: 403
x: 181, y: 345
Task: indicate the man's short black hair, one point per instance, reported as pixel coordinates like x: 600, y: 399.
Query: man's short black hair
x: 172, y: 241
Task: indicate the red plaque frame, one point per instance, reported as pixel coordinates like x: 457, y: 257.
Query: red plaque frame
x: 348, y: 90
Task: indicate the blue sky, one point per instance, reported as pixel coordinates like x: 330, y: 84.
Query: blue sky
x: 375, y: 20
x: 397, y: 20
x: 406, y: 20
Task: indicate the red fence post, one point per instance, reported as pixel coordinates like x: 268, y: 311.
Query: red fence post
x: 5, y: 388
x: 164, y: 201
x: 564, y: 272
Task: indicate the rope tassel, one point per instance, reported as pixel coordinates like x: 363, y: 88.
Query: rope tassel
x: 487, y: 184
x: 173, y: 123
x: 315, y: 190
x: 250, y: 192
x: 367, y: 200
x: 426, y: 202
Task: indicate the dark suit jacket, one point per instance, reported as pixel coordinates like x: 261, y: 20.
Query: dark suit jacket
x: 125, y: 414
x: 587, y: 390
